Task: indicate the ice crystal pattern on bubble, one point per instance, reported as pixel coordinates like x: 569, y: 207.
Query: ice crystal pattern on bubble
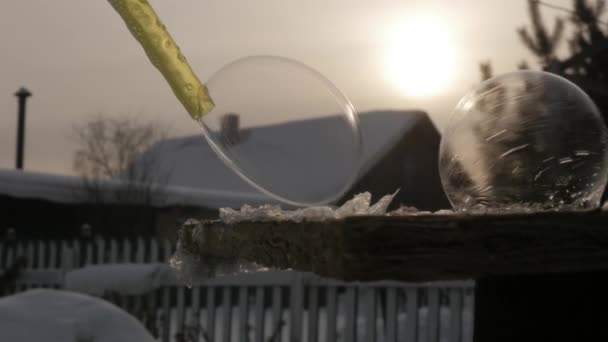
x: 525, y: 138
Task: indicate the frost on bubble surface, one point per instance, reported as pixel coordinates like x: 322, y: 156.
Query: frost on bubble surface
x: 524, y: 140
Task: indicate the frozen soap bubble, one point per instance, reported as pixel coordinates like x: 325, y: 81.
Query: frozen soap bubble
x: 285, y: 129
x: 525, y: 139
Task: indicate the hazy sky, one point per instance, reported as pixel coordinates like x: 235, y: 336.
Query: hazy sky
x: 78, y: 58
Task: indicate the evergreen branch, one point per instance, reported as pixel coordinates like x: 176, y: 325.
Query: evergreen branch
x: 557, y: 33
x: 528, y: 40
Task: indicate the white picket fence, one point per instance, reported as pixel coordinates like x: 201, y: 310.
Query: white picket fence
x: 68, y: 254
x: 302, y: 308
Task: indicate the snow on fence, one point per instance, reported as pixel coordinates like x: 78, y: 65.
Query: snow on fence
x: 296, y: 308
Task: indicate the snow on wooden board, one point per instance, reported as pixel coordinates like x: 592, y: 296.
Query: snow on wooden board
x: 417, y: 247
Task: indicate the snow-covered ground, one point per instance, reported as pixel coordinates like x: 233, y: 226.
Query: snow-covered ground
x: 124, y: 279
x: 78, y: 315
x: 61, y: 316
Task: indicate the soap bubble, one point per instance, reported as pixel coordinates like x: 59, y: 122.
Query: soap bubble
x: 285, y: 129
x: 525, y: 139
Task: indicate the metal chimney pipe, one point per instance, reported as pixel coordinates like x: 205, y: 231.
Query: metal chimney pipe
x: 22, y: 94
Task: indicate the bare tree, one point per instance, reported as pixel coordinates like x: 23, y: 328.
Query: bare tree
x: 119, y: 149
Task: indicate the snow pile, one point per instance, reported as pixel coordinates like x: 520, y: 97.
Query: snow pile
x: 124, y: 279
x: 359, y: 205
x: 53, y: 315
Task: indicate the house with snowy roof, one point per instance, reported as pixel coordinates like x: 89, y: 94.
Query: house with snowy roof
x: 400, y: 151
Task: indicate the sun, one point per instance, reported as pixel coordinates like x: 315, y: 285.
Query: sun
x: 420, y: 56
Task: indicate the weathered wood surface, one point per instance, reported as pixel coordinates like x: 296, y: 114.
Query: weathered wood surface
x: 413, y: 248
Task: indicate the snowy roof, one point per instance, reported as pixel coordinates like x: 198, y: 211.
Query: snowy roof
x: 53, y: 315
x: 186, y: 159
x: 190, y: 162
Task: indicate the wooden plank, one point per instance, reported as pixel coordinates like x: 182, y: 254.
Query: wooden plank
x: 196, y: 307
x: 76, y: 250
x: 2, y: 251
x: 113, y: 258
x: 126, y: 250
x: 415, y: 248
x: 20, y: 249
x: 29, y: 253
x: 390, y: 320
x: 53, y: 255
x: 313, y: 313
x: 10, y: 256
x: 456, y: 304
x: 259, y: 313
x: 210, y: 328
x: 166, y: 323
x: 42, y: 248
x: 88, y: 245
x: 101, y: 251
x: 141, y: 250
x: 432, y: 317
x: 154, y: 251
x: 295, y: 306
x: 411, y: 325
x: 332, y: 313
x: 243, y: 332
x: 227, y: 314
x: 67, y: 257
x: 370, y: 313
x: 181, y: 309
x: 277, y: 309
x: 168, y: 250
x: 350, y: 316
x: 152, y: 306
x: 469, y: 304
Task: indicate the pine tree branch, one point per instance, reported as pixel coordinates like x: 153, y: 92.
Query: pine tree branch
x: 558, y: 32
x: 528, y: 41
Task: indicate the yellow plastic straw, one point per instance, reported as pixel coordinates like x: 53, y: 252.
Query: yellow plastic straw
x: 165, y: 55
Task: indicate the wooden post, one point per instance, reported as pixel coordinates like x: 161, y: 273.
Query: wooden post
x: 22, y: 94
x: 295, y: 305
x: 243, y: 330
x: 332, y: 312
x: 259, y: 315
x: 313, y: 312
x: 210, y: 327
x: 391, y: 314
